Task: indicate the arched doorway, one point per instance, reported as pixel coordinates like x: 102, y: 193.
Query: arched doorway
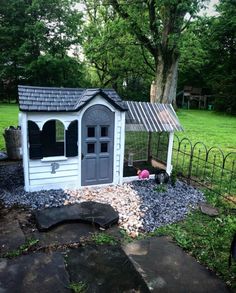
x: 97, y: 145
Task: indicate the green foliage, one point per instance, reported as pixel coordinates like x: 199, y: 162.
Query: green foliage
x: 194, y: 54
x: 35, y: 38
x: 161, y: 188
x: 103, y: 238
x: 173, y: 177
x: 208, y: 56
x: 125, y: 237
x: 79, y: 287
x: 129, y: 45
x: 49, y: 70
x: 24, y: 248
x: 113, y: 54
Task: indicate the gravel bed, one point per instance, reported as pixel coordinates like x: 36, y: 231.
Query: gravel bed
x: 142, y: 205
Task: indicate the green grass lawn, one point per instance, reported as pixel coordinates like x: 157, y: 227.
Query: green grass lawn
x: 209, y: 127
x: 8, y: 117
x: 213, y: 129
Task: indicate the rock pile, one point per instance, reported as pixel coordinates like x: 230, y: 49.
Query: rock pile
x: 142, y: 205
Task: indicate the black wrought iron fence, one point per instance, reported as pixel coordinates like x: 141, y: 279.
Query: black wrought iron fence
x: 209, y: 167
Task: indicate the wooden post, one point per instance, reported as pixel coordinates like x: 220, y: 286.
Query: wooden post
x: 169, y: 154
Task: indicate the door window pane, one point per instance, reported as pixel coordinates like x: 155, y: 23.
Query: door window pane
x: 91, y: 132
x: 90, y: 148
x: 104, y: 131
x: 104, y: 147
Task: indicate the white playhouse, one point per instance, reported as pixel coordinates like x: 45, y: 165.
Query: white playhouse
x: 75, y: 137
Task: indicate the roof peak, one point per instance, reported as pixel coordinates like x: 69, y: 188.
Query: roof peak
x: 60, y: 99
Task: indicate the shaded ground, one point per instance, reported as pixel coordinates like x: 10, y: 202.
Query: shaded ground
x: 71, y: 254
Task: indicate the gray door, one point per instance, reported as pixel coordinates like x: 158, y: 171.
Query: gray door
x: 97, y: 145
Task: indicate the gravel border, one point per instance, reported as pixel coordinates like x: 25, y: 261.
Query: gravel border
x: 142, y: 205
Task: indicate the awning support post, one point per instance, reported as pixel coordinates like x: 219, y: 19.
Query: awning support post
x: 169, y: 154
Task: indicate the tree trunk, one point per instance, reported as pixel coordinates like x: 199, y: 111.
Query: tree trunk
x: 166, y: 79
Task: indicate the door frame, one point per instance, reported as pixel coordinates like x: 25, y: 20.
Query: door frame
x: 98, y: 100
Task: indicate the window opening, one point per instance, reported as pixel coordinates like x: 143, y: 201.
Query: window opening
x: 91, y: 148
x: 53, y: 139
x: 104, y: 147
x: 104, y: 131
x: 91, y: 131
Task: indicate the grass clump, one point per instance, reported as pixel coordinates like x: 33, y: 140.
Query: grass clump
x: 24, y: 248
x: 79, y: 287
x: 103, y: 238
x: 161, y: 188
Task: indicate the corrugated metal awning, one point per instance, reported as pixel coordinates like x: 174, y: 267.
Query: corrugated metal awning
x: 151, y: 117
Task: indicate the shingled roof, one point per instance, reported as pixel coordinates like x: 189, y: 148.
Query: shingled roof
x: 140, y: 116
x: 51, y: 99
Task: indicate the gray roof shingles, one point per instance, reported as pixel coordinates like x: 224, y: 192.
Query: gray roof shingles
x: 140, y: 116
x: 50, y: 99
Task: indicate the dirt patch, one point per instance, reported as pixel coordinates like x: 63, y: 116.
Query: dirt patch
x: 22, y: 215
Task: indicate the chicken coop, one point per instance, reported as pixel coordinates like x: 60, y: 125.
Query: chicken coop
x: 149, y: 136
x: 76, y: 137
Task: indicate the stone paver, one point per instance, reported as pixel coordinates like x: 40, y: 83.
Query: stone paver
x: 208, y: 209
x: 65, y: 234
x: 36, y: 273
x: 167, y: 268
x: 104, y: 269
x: 11, y: 235
x: 100, y: 214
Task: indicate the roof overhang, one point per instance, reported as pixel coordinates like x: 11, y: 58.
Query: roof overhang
x: 151, y: 117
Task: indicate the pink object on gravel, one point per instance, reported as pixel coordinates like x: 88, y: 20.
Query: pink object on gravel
x: 144, y: 174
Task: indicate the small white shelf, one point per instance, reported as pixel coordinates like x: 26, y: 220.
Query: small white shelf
x: 53, y: 159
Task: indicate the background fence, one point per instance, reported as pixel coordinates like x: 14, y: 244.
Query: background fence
x: 209, y: 167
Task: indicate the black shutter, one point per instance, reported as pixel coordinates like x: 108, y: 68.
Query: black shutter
x: 72, y: 139
x: 49, y: 139
x: 35, y: 146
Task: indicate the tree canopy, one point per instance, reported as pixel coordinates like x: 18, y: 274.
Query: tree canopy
x: 35, y: 37
x: 120, y: 44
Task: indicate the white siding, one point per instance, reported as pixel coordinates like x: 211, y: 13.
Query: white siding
x: 40, y: 173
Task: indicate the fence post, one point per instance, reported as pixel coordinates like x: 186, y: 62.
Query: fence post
x: 190, y: 167
x: 149, y: 146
